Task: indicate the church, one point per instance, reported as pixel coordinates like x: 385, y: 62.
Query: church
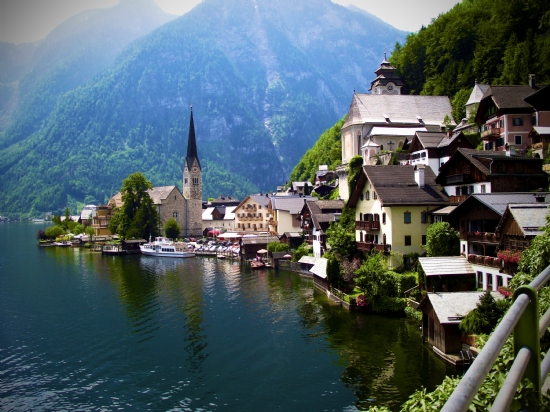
x: 170, y: 202
x: 386, y: 120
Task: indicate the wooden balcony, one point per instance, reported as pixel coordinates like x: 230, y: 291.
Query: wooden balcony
x: 490, y: 261
x: 491, y: 134
x: 458, y: 199
x: 368, y: 247
x: 372, y: 225
x: 460, y: 178
x: 481, y: 237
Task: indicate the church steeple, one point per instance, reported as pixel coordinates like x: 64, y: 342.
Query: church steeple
x: 387, y: 81
x: 192, y: 144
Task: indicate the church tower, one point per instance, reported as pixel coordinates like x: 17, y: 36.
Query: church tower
x: 192, y: 184
x: 387, y: 81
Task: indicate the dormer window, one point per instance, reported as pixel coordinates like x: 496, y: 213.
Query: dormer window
x: 420, y: 119
x: 387, y: 118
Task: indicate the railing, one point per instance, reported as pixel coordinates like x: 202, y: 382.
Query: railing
x: 341, y: 295
x: 485, y: 260
x: 458, y: 198
x: 367, y: 246
x: 484, y: 237
x: 367, y: 225
x: 523, y: 320
x: 491, y: 133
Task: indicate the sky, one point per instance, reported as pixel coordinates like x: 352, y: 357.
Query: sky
x: 30, y: 20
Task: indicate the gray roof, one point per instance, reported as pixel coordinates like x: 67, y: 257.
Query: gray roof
x: 446, y: 266
x: 447, y: 210
x: 158, y: 194
x: 320, y: 211
x: 509, y: 97
x: 292, y: 234
x: 292, y: 204
x: 259, y: 240
x: 320, y: 268
x: 309, y: 260
x: 477, y: 93
x: 396, y: 185
x: 531, y: 218
x: 498, y: 202
x: 452, y: 307
x: 261, y: 199
x: 400, y: 109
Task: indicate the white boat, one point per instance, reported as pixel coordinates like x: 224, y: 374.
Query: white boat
x: 165, y: 247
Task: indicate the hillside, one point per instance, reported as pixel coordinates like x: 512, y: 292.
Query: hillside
x: 35, y: 75
x: 265, y: 79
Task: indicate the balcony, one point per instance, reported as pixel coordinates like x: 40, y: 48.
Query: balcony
x: 458, y: 199
x: 481, y: 237
x: 460, y: 178
x: 485, y: 261
x: 367, y: 225
x: 491, y: 134
x: 368, y: 247
x: 272, y: 222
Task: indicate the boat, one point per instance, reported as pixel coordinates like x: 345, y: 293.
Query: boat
x: 256, y: 264
x: 220, y: 256
x: 63, y: 243
x: 166, y: 247
x: 112, y: 250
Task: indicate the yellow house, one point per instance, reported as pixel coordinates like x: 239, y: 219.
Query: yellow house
x: 101, y: 217
x: 392, y: 206
x: 252, y: 216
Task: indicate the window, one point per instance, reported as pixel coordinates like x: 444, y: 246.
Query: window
x: 499, y: 142
x: 438, y: 218
x: 383, y: 218
x: 517, y: 121
x: 186, y: 180
x: 534, y: 120
x: 483, y: 189
x: 367, y: 195
x: 407, y: 240
x: 501, y: 123
x: 195, y: 180
x: 360, y: 216
x: 407, y: 217
x: 489, y: 146
x: 517, y: 140
x: 374, y: 195
x: 424, y: 218
x: 480, y: 280
x: 423, y: 239
x: 175, y: 214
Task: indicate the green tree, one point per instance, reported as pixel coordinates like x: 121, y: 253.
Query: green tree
x: 442, y: 240
x: 137, y: 217
x: 303, y: 250
x: 277, y: 247
x: 484, y: 317
x: 54, y: 231
x: 171, y: 229
x: 370, y: 276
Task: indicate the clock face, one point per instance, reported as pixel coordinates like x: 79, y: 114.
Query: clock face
x: 390, y: 87
x: 195, y: 169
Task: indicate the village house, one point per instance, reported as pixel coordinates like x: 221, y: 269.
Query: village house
x: 540, y: 133
x: 219, y: 218
x: 477, y: 219
x: 441, y: 315
x: 386, y: 120
x: 508, y: 117
x: 392, y: 206
x: 101, y: 217
x: 252, y: 215
x: 471, y: 171
x: 448, y: 274
x: 285, y: 213
x: 315, y: 218
x: 434, y: 149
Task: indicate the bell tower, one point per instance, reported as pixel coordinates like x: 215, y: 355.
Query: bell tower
x: 192, y: 183
x: 387, y: 81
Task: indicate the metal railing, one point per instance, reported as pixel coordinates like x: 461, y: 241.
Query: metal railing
x: 523, y: 320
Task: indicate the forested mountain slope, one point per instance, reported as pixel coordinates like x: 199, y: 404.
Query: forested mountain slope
x: 68, y: 57
x: 264, y: 78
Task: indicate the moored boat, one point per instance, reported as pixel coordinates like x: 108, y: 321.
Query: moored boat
x: 165, y: 247
x: 256, y: 264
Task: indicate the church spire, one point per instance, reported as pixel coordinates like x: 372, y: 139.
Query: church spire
x: 192, y: 143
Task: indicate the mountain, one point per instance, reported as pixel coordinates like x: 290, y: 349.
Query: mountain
x: 36, y: 74
x: 264, y: 78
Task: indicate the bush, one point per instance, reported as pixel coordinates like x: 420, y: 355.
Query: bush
x: 277, y: 247
x: 414, y: 315
x: 53, y: 232
x: 484, y: 317
x: 172, y: 229
x: 303, y: 250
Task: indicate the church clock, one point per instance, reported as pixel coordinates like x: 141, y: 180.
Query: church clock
x: 390, y: 87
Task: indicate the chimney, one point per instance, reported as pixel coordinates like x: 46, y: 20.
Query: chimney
x: 532, y: 81
x: 419, y: 175
x: 540, y: 197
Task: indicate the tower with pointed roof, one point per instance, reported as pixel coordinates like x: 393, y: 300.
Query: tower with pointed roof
x: 387, y: 81
x: 192, y: 183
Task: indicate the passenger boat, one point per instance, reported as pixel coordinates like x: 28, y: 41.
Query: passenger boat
x: 165, y: 247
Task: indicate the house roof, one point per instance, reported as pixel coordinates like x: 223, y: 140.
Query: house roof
x: 396, y: 185
x: 450, y: 308
x: 531, y: 218
x: 510, y: 97
x: 399, y: 109
x: 259, y: 240
x: 291, y: 235
x: 447, y: 210
x: 158, y: 194
x: 498, y: 202
x: 292, y: 204
x: 482, y: 160
x: 477, y: 93
x: 320, y: 211
x: 309, y: 260
x: 446, y: 266
x: 320, y: 268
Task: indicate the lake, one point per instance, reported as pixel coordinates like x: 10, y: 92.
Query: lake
x: 82, y: 331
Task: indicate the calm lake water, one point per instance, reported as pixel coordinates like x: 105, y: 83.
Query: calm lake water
x: 82, y: 331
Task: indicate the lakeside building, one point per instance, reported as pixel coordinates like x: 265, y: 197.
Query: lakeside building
x: 387, y: 120
x: 393, y: 205
x: 170, y: 202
